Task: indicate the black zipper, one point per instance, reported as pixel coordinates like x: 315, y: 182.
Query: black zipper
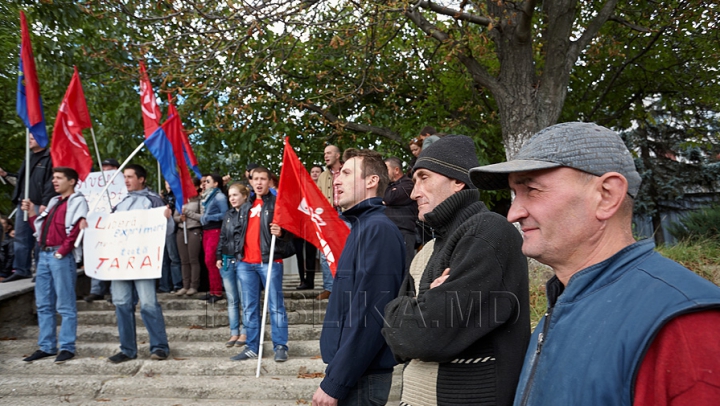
x: 541, y: 340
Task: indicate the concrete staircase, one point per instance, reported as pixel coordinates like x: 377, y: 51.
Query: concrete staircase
x: 199, y: 370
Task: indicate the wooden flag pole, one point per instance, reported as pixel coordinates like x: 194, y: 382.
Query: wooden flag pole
x: 27, y: 169
x: 97, y: 152
x: 265, y: 305
x: 107, y: 185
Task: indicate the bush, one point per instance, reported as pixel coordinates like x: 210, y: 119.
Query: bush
x: 698, y: 225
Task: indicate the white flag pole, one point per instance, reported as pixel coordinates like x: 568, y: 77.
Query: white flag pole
x: 27, y: 169
x: 107, y: 185
x: 265, y: 305
x: 97, y: 152
x: 185, y: 231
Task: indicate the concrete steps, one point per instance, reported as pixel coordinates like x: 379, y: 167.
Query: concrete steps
x: 216, y: 336
x: 198, y: 372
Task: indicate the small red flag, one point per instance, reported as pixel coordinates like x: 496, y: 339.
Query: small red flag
x: 174, y: 132
x: 187, y: 148
x: 68, y: 144
x: 32, y: 87
x: 148, y: 104
x: 303, y: 210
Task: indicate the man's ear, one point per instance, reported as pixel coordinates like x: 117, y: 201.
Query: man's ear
x: 612, y: 187
x: 371, y: 181
x: 457, y: 185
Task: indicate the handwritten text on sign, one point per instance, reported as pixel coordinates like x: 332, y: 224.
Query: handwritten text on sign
x: 125, y: 245
x: 94, y: 184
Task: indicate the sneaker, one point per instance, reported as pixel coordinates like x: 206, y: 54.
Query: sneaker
x: 92, y: 297
x: 280, y: 353
x: 246, y: 354
x: 39, y: 354
x: 181, y: 292
x: 119, y: 357
x: 159, y: 355
x: 191, y: 292
x: 214, y: 299
x: 64, y: 356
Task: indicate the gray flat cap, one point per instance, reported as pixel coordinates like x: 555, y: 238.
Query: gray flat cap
x: 584, y: 146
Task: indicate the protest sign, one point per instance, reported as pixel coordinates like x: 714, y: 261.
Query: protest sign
x: 126, y: 245
x: 93, y: 185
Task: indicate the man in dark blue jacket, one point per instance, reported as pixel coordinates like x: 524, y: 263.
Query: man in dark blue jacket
x: 369, y: 273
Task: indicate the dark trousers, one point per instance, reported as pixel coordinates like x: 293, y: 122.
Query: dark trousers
x: 305, y: 253
x: 370, y: 390
x: 25, y: 245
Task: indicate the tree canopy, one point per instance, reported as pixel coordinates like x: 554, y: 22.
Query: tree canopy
x: 369, y: 74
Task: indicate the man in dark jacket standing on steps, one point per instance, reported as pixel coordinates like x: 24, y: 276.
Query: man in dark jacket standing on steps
x: 462, y: 315
x: 40, y: 192
x: 369, y: 273
x: 401, y: 209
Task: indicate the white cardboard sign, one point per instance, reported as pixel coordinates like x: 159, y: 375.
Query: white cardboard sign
x: 95, y: 183
x: 125, y: 245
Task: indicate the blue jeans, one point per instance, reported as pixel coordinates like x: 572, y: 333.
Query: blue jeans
x: 55, y: 291
x: 253, y: 278
x: 98, y: 287
x: 327, y: 275
x: 122, y: 296
x: 23, y: 245
x: 172, y: 267
x: 233, y: 291
x: 370, y: 390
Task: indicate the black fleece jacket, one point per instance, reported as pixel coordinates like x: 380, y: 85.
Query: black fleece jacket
x: 41, y: 172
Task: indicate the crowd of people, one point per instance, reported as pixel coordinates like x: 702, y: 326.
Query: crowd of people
x: 624, y: 325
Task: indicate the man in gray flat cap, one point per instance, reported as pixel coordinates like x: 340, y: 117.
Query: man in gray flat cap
x: 624, y: 325
x: 461, y: 319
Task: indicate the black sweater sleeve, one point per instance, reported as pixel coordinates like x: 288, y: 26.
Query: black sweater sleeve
x: 440, y: 323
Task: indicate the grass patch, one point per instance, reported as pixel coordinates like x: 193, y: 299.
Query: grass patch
x: 700, y: 256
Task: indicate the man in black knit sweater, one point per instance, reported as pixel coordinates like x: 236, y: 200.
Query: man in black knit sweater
x: 461, y: 319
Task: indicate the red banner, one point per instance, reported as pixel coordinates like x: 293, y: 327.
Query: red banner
x: 303, y: 210
x: 68, y: 144
x: 148, y: 104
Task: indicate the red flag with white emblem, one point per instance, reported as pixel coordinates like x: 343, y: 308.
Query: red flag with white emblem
x: 303, y: 210
x: 68, y: 146
x: 148, y: 103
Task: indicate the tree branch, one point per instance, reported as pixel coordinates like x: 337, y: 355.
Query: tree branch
x: 477, y: 71
x: 590, y: 32
x: 333, y: 119
x: 456, y: 14
x: 524, y: 28
x: 617, y: 73
x: 628, y: 24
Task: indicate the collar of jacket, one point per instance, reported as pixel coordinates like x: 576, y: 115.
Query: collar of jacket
x: 594, y: 277
x: 142, y: 192
x: 367, y: 205
x: 402, y: 179
x: 452, y: 212
x: 265, y: 198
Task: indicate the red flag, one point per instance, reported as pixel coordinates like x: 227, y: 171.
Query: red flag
x: 68, y: 144
x: 303, y: 210
x: 174, y: 132
x: 148, y: 104
x: 187, y: 148
x: 32, y: 87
